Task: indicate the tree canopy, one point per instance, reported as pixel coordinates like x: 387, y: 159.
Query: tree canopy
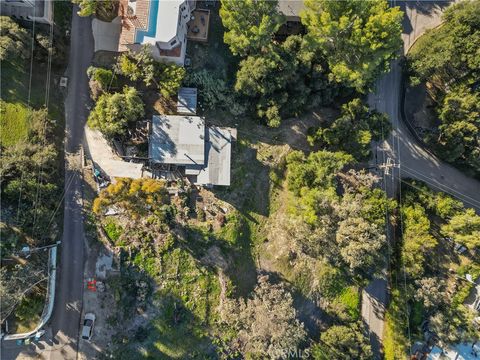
x: 359, y: 38
x: 361, y: 245
x: 417, y: 240
x: 166, y: 77
x: 266, y: 323
x: 447, y: 59
x: 105, y: 9
x: 15, y: 41
x: 113, y: 113
x: 250, y: 24
x: 354, y: 130
x: 464, y: 228
x: 318, y: 169
x: 343, y: 342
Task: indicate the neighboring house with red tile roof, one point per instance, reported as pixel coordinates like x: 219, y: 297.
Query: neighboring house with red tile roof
x: 160, y: 24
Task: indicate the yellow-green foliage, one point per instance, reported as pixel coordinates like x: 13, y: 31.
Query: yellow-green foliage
x: 394, y: 339
x: 417, y: 240
x: 14, y: 123
x: 137, y: 196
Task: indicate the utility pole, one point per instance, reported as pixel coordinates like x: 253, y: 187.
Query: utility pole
x: 388, y: 165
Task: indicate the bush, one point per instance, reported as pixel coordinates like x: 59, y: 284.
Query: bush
x: 113, y: 230
x: 214, y: 92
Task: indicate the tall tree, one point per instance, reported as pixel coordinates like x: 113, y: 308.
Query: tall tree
x: 460, y: 129
x: 104, y: 8
x: 417, y: 240
x: 266, y: 323
x: 343, y: 342
x: 113, y: 113
x: 317, y: 170
x: 361, y: 246
x: 15, y: 41
x: 359, y: 38
x: 284, y: 80
x: 250, y: 24
x: 464, y: 228
x: 354, y: 130
x: 449, y: 52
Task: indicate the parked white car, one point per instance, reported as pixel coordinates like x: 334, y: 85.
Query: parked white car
x: 88, y: 323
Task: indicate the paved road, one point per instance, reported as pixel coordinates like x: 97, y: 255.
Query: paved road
x: 403, y: 149
x: 61, y: 339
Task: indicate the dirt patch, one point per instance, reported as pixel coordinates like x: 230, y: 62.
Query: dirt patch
x: 419, y: 107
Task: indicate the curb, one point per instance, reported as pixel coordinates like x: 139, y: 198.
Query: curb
x: 48, y: 308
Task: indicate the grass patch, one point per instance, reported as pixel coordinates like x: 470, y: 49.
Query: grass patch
x: 350, y: 298
x: 186, y: 298
x: 14, y: 122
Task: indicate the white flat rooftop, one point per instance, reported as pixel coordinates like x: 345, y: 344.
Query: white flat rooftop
x: 167, y: 21
x: 177, y: 140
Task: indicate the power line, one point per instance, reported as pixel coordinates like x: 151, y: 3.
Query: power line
x: 46, y: 103
x: 28, y: 105
x: 431, y: 181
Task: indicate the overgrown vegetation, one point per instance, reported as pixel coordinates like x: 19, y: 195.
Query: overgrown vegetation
x: 282, y: 79
x: 429, y: 283
x: 446, y: 58
x: 31, y: 166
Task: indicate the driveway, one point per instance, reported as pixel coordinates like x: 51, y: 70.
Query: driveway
x: 107, y: 34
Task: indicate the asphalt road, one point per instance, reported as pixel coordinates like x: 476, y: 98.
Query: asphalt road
x: 410, y: 158
x: 61, y: 339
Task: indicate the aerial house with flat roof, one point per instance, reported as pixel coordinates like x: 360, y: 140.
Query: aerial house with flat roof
x: 201, y: 153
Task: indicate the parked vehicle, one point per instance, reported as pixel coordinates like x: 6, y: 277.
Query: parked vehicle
x: 88, y: 324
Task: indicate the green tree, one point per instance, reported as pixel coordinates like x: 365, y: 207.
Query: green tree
x: 87, y: 7
x: 113, y: 113
x: 449, y: 52
x: 104, y: 77
x: 15, y: 41
x: 285, y: 80
x: 103, y: 8
x: 141, y: 65
x: 341, y: 342
x: 354, y: 130
x: 169, y: 78
x: 266, y: 323
x: 361, y: 246
x: 129, y: 67
x: 317, y: 170
x: 417, y: 240
x: 359, y: 38
x: 250, y: 24
x: 464, y: 228
x: 460, y: 129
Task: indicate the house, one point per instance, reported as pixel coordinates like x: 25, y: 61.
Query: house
x: 291, y: 9
x: 33, y: 10
x: 161, y: 25
x: 201, y: 153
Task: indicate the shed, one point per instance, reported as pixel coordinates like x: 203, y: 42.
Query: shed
x: 187, y: 101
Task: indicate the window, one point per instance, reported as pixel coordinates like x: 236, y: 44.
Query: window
x: 173, y: 42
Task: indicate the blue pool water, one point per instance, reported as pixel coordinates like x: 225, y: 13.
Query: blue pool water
x: 152, y: 23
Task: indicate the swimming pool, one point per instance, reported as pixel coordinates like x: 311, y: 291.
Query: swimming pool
x: 152, y: 23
